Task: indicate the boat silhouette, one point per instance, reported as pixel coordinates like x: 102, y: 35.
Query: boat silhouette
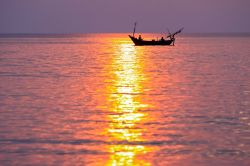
x: 170, y: 39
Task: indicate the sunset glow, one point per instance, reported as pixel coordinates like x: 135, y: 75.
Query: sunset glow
x: 127, y: 107
x: 124, y: 83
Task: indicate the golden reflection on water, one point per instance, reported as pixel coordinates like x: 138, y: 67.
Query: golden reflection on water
x: 124, y: 127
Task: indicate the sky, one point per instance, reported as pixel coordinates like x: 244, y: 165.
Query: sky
x: 91, y: 16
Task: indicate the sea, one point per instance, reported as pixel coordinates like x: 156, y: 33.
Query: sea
x: 98, y: 100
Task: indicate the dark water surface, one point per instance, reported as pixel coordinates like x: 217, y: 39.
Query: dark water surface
x: 98, y: 100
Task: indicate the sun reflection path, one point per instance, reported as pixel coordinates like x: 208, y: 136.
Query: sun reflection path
x: 124, y: 129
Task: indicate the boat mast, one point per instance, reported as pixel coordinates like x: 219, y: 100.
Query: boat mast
x: 134, y: 30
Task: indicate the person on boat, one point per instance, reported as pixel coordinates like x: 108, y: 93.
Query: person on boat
x: 162, y: 39
x: 172, y: 38
x: 140, y: 37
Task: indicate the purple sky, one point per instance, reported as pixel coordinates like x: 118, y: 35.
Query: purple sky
x: 84, y: 16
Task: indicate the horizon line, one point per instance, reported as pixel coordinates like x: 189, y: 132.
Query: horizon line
x: 82, y: 33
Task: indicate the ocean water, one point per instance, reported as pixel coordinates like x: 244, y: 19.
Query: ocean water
x: 97, y: 99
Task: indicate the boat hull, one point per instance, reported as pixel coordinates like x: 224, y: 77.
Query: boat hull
x: 139, y: 42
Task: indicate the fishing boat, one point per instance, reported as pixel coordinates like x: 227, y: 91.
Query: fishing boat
x: 169, y: 40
